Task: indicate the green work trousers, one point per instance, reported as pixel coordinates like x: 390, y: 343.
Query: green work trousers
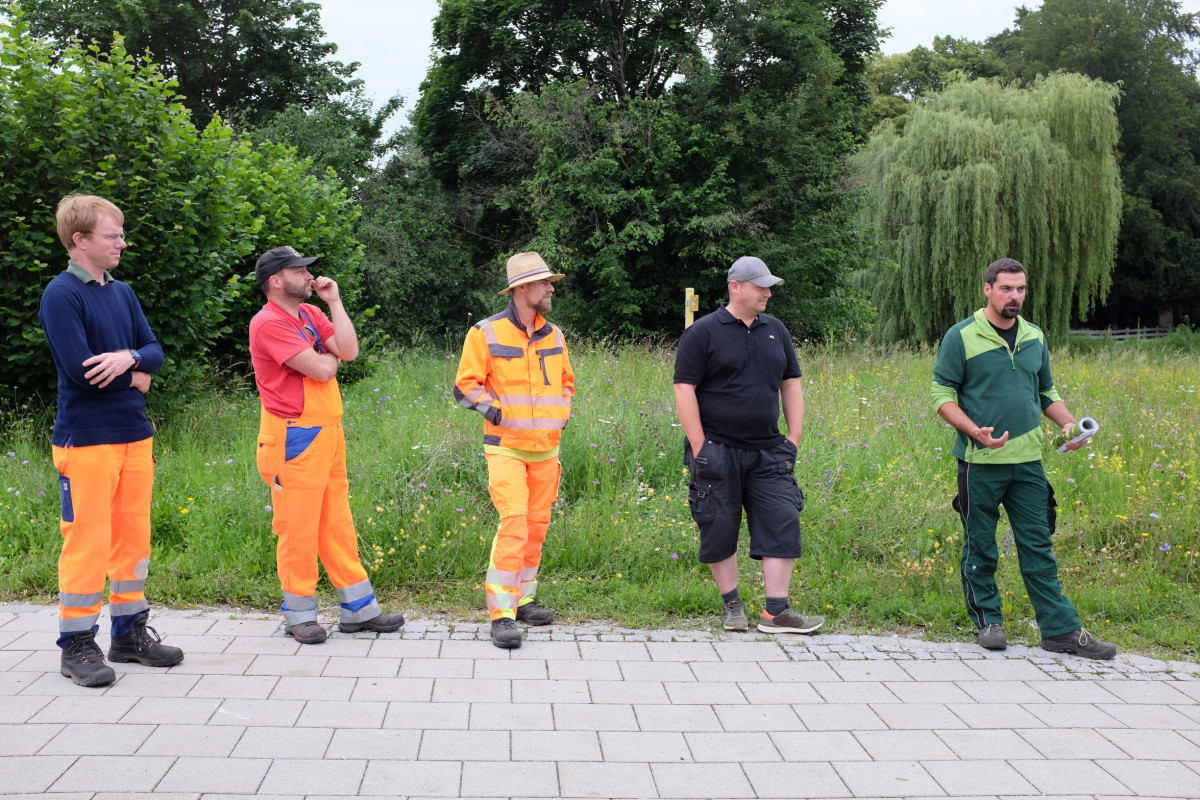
x: 1029, y: 501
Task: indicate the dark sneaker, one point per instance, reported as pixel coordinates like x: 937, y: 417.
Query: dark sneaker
x: 144, y: 645
x: 505, y: 633
x: 1079, y: 643
x: 83, y: 662
x: 733, y: 617
x: 384, y: 623
x: 789, y: 621
x: 534, y: 614
x: 991, y: 637
x: 307, y: 632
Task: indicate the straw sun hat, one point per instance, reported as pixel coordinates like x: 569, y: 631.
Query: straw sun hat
x: 527, y: 268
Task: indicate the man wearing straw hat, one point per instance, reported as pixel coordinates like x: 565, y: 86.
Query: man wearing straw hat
x: 515, y: 371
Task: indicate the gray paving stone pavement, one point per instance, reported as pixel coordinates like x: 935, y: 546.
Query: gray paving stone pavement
x: 436, y: 711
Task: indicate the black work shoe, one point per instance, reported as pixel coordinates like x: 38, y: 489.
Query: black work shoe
x: 384, y: 623
x: 310, y: 632
x: 991, y: 637
x: 789, y: 621
x: 534, y: 614
x: 144, y: 645
x: 505, y: 633
x: 83, y: 662
x: 1079, y: 643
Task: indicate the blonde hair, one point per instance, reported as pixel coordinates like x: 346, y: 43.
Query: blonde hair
x: 77, y: 213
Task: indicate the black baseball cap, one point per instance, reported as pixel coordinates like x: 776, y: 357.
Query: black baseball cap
x: 279, y: 258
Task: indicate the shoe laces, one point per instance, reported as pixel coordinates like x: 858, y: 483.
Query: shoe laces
x: 505, y: 622
x: 144, y: 637
x: 1084, y: 637
x: 987, y: 629
x: 86, y: 649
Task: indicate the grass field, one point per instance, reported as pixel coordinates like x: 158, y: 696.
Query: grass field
x: 881, y: 541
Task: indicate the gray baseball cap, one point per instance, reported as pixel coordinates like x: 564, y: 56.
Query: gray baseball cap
x: 749, y: 268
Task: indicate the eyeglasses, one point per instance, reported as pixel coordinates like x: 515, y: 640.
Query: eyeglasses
x: 112, y: 237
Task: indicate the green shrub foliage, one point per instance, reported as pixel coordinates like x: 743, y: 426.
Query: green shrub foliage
x: 199, y: 205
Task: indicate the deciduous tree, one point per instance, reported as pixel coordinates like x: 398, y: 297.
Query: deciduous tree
x: 983, y: 171
x: 243, y: 58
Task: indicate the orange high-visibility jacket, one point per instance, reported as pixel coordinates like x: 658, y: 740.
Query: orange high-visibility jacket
x: 522, y: 385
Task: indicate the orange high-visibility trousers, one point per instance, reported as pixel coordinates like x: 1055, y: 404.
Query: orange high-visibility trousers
x: 105, y: 491
x: 523, y: 493
x: 303, y: 460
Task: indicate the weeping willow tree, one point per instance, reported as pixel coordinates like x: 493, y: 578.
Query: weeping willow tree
x: 982, y: 171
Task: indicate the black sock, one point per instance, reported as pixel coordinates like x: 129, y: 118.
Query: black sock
x: 775, y: 605
x: 731, y: 597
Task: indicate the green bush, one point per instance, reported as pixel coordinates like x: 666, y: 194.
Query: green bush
x: 199, y: 205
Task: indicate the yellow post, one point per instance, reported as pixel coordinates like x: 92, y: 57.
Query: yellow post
x: 691, y: 304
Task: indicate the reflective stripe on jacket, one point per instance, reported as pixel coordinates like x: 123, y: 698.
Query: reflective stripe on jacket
x: 522, y: 385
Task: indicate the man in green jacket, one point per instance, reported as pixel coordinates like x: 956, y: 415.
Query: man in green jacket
x: 993, y: 374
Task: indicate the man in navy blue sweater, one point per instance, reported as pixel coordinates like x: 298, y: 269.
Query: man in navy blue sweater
x: 104, y: 351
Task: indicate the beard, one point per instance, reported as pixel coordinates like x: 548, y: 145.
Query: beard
x: 1010, y: 311
x: 299, y: 291
x: 543, y: 306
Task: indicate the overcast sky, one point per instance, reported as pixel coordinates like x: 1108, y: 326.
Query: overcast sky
x: 391, y: 38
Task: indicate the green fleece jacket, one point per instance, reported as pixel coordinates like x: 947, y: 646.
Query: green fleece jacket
x: 996, y: 388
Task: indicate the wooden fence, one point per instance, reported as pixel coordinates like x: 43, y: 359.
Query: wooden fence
x: 1124, y: 333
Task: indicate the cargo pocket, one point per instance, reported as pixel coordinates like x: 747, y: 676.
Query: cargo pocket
x: 706, y: 473
x: 266, y: 457
x: 787, y: 467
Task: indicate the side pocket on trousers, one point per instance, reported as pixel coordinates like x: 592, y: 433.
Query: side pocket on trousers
x: 706, y: 472
x: 1051, y: 509
x: 64, y: 496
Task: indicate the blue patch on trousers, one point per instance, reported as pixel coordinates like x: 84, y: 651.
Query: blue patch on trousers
x: 298, y: 440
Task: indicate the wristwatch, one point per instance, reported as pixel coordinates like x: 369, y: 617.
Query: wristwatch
x: 137, y: 358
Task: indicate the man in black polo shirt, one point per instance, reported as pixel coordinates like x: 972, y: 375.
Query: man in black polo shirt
x: 732, y: 367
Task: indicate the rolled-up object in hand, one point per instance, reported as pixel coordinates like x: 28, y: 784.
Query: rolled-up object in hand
x: 1087, y: 429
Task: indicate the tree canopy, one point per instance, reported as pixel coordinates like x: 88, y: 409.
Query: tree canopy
x: 235, y: 58
x: 982, y: 171
x: 643, y: 145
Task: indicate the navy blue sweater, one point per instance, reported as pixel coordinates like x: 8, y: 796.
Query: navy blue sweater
x: 86, y: 319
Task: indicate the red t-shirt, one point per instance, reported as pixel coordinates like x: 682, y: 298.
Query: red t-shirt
x: 276, y: 336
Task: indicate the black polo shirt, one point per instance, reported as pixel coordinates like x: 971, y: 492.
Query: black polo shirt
x: 737, y: 372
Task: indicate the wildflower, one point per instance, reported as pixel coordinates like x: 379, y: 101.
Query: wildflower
x: 1165, y: 547
x: 675, y: 556
x: 230, y: 461
x: 183, y: 510
x: 612, y: 461
x: 267, y: 508
x: 11, y: 454
x: 1070, y: 480
x: 1154, y: 515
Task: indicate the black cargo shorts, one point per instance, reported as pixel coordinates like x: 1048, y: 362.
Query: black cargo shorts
x: 726, y: 479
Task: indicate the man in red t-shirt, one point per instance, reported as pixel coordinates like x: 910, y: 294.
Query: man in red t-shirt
x: 295, y: 350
